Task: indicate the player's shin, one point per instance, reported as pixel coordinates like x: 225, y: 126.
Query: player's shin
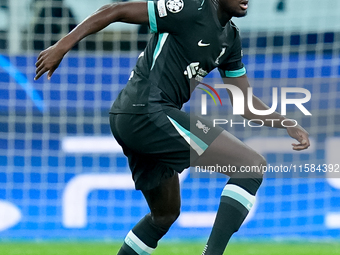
x: 237, y: 198
x: 143, y: 238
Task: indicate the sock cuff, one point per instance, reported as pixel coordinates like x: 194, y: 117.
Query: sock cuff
x: 137, y: 245
x: 143, y: 238
x: 239, y: 194
x: 250, y: 183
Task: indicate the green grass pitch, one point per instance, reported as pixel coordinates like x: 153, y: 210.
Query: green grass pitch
x: 169, y: 248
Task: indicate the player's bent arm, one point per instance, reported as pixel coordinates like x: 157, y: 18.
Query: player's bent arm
x: 131, y: 12
x: 297, y: 132
x: 243, y: 84
x: 134, y: 13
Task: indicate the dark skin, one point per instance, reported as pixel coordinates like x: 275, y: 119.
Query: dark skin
x: 164, y: 200
x: 134, y: 13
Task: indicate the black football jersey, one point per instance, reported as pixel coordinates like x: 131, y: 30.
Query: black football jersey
x: 188, y: 42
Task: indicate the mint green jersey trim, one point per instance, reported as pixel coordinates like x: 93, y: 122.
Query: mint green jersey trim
x: 197, y: 144
x: 152, y: 17
x: 237, y: 73
x: 194, y: 140
x: 161, y: 41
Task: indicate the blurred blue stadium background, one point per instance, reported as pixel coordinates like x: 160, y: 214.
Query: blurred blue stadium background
x: 40, y: 164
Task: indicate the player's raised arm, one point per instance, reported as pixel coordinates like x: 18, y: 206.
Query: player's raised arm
x: 134, y: 13
x: 297, y: 132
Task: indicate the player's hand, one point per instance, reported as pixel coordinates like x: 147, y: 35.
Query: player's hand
x: 48, y: 61
x: 301, y: 135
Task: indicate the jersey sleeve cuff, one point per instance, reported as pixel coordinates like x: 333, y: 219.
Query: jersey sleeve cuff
x: 236, y: 73
x: 152, y: 17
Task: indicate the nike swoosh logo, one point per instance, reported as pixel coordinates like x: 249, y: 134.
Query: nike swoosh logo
x: 201, y: 44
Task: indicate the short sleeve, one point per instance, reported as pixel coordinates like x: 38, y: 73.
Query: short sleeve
x: 233, y: 66
x: 233, y: 70
x: 171, y: 15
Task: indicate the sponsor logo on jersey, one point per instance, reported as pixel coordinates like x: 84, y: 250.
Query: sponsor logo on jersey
x: 200, y: 125
x: 194, y: 70
x: 161, y: 8
x: 175, y: 6
x: 201, y: 44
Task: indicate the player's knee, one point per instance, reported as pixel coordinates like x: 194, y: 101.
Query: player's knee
x: 250, y: 178
x: 166, y: 219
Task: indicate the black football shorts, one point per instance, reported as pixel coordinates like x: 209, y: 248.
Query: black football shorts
x: 157, y: 144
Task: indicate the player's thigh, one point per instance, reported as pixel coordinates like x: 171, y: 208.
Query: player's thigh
x: 226, y: 150
x: 154, y: 148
